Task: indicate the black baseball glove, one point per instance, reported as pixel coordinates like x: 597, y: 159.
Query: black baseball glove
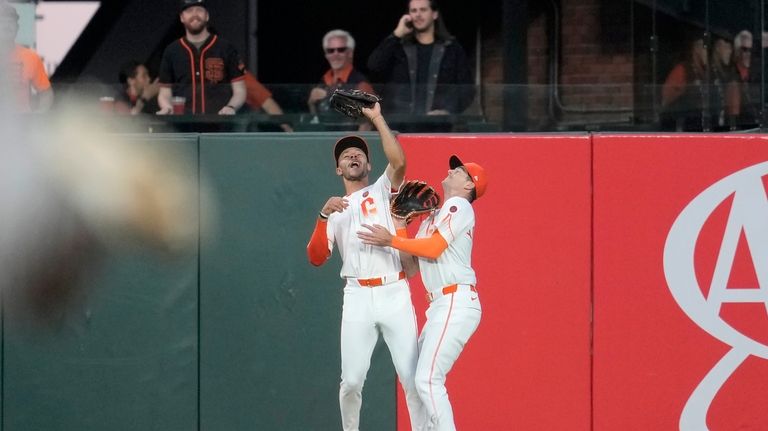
x: 352, y: 102
x: 415, y: 198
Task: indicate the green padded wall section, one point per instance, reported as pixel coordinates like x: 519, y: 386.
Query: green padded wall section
x: 124, y: 357
x: 270, y: 321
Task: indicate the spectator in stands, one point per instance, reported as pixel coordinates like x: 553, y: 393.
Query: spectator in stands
x: 339, y: 49
x: 684, y: 93
x: 742, y: 56
x: 25, y: 70
x: 258, y: 98
x: 724, y: 91
x: 202, y: 67
x: 424, y: 66
x: 139, y: 91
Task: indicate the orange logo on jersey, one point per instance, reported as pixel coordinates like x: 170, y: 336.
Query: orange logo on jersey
x: 368, y: 206
x: 214, y: 70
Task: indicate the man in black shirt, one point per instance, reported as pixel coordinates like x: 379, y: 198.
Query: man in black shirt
x: 201, y: 67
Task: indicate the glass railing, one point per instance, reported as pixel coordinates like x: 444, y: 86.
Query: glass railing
x: 483, y: 109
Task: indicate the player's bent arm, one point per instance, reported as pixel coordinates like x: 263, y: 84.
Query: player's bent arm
x: 409, y: 261
x: 392, y: 150
x: 429, y: 248
x: 317, y: 249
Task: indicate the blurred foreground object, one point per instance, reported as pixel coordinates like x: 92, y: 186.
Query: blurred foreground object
x: 72, y: 193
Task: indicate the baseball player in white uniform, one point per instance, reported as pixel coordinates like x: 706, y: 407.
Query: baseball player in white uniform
x: 377, y: 298
x: 442, y: 251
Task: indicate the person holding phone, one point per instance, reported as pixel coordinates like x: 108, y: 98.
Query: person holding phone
x: 424, y: 67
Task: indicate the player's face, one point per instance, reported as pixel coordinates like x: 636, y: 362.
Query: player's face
x: 353, y: 165
x: 338, y: 53
x: 457, y: 179
x: 422, y: 15
x: 195, y: 19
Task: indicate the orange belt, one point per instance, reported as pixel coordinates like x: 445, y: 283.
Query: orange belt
x: 447, y: 290
x: 373, y: 282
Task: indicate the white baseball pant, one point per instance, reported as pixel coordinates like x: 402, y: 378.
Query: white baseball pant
x: 451, y: 321
x: 368, y: 311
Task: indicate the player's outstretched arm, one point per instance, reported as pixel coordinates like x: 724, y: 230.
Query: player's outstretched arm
x: 392, y: 149
x: 430, y: 247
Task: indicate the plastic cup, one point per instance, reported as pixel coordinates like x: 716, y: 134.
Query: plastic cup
x: 179, y: 105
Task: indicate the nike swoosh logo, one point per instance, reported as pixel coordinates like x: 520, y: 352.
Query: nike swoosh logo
x: 473, y: 298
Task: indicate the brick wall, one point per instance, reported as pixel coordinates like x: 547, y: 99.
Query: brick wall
x: 595, y: 71
x: 492, y: 65
x: 538, y: 74
x: 596, y: 66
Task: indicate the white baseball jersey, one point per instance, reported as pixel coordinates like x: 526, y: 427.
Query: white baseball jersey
x: 369, y: 205
x: 368, y: 311
x: 451, y: 318
x: 456, y: 222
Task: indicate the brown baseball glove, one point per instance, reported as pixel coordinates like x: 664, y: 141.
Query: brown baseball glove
x: 352, y: 102
x: 415, y: 198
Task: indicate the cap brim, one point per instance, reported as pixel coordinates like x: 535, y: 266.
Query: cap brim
x: 454, y: 162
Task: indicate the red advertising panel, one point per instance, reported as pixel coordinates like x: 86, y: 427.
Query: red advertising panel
x: 527, y: 366
x: 680, y: 282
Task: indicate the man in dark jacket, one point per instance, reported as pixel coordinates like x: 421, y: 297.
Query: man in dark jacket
x: 424, y: 67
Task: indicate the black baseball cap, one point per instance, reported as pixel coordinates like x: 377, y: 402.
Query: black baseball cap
x: 189, y: 3
x: 349, y: 142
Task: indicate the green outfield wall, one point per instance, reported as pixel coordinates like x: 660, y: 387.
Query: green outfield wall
x: 241, y: 334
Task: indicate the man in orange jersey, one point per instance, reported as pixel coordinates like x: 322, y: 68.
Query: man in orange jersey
x: 23, y: 71
x: 339, y: 50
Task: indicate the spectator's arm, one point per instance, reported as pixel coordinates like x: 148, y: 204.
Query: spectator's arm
x: 732, y: 98
x: 674, y: 85
x: 164, y: 101
x: 272, y: 108
x: 238, y: 98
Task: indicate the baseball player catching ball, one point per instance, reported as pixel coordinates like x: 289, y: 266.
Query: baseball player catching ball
x: 443, y: 246
x: 377, y: 298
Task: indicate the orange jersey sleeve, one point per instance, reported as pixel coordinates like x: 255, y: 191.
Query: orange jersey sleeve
x: 674, y: 85
x: 33, y: 69
x: 256, y: 92
x: 365, y: 86
x: 317, y: 249
x: 430, y: 248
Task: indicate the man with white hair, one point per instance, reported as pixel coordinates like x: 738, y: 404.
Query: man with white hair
x: 339, y: 49
x: 742, y: 54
